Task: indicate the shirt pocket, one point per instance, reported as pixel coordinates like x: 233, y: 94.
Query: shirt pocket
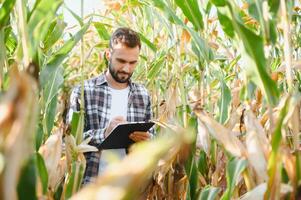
x: 139, y: 105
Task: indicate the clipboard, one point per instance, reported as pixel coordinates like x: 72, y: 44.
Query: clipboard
x: 119, y: 136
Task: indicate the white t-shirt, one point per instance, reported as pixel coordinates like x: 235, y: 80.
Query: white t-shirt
x: 119, y: 106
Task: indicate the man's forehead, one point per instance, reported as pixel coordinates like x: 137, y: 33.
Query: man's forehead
x: 121, y: 46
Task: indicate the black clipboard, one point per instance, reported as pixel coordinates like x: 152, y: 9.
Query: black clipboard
x: 119, y: 136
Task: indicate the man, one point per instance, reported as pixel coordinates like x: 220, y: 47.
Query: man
x: 112, y: 98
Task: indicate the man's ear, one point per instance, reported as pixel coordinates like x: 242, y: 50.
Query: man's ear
x: 108, y: 54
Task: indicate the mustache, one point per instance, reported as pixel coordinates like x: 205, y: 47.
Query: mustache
x: 123, y: 72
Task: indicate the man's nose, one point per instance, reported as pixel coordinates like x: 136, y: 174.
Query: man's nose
x: 126, y: 67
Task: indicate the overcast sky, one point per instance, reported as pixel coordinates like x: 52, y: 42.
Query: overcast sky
x: 89, y: 7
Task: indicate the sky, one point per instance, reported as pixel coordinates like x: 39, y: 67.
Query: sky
x: 89, y: 7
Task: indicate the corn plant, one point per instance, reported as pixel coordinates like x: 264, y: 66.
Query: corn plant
x: 224, y: 79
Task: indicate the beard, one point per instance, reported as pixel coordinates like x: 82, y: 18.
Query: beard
x: 119, y: 76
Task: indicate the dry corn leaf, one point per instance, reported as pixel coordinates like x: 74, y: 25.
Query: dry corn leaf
x: 292, y: 119
x: 223, y: 135
x: 112, y: 5
x: 127, y: 178
x: 203, y: 138
x: 289, y: 162
x: 51, y: 152
x: 17, y: 126
x: 295, y: 65
x: 84, y: 147
x: 234, y: 122
x: 75, y: 152
x: 235, y: 94
x: 256, y: 156
x: 185, y: 39
x: 195, y: 97
x: 258, y: 192
x: 214, y: 45
x: 257, y: 145
x: 168, y: 109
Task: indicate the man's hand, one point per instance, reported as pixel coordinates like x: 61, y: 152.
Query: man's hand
x: 113, y: 123
x: 138, y: 136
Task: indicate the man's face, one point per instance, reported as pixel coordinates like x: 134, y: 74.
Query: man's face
x: 122, y: 62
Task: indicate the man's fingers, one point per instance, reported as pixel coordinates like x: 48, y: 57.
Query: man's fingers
x: 115, y: 121
x: 119, y: 119
x: 139, y: 136
x: 138, y: 133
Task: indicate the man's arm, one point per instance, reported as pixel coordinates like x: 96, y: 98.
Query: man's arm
x: 97, y: 135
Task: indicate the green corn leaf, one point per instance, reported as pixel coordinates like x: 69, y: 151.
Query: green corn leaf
x: 54, y: 33
x: 11, y: 41
x: 39, y: 22
x: 50, y: 114
x: 298, y: 166
x: 253, y: 55
x: 77, y: 126
x: 102, y: 31
x: 80, y: 128
x: 5, y: 11
x: 226, y: 24
x: 51, y: 78
x: 3, y: 56
x: 42, y: 172
x: 202, y: 47
x: 155, y: 68
x: 203, y: 50
x: 209, y: 193
x: 273, y: 31
x: 56, y: 79
x: 58, y: 57
x: 268, y: 28
x: 190, y: 8
x: 149, y: 14
x: 26, y: 188
x: 274, y: 6
x: 202, y: 164
x: 36, y: 3
x: 254, y: 9
x: 169, y: 13
x: 74, y: 123
x: 235, y: 167
x: 273, y: 162
x: 50, y: 93
x: 219, y: 3
x: 58, y: 193
x: 190, y: 165
x: 224, y: 103
x: 193, y: 180
x: 148, y: 43
x: 39, y: 136
x: 74, y: 179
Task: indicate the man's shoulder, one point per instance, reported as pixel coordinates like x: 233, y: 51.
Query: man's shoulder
x: 140, y: 88
x: 90, y: 83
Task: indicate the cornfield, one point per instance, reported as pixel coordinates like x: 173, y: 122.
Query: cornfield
x: 225, y: 82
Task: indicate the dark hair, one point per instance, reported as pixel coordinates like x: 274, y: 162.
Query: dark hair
x: 126, y: 36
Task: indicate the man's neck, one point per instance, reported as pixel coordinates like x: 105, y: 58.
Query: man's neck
x: 114, y: 84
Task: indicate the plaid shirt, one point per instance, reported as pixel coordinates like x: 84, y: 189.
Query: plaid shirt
x: 97, y: 96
